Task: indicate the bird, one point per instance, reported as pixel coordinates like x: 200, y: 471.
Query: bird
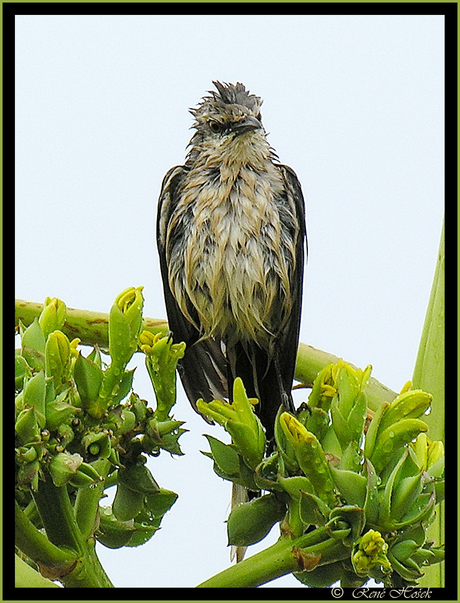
x: 232, y: 242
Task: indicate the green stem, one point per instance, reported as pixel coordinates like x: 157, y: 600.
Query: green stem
x: 92, y: 327
x: 36, y: 545
x: 58, y: 516
x: 283, y: 557
x: 62, y: 529
x: 89, y: 572
x: 311, y: 361
x: 87, y: 501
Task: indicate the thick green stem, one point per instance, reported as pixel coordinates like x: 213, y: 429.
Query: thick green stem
x: 283, y: 557
x: 63, y: 531
x: 36, y: 545
x: 58, y: 516
x: 311, y: 361
x: 89, y: 572
x: 87, y: 501
x: 92, y: 327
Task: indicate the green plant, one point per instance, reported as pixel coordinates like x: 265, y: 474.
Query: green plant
x: 354, y: 495
x: 80, y: 429
x: 352, y: 479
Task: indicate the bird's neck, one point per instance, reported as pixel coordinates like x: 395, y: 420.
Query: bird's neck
x: 246, y: 151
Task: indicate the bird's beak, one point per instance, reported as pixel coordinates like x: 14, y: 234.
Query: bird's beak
x: 246, y: 125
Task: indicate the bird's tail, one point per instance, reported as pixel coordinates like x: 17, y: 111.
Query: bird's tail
x: 239, y: 495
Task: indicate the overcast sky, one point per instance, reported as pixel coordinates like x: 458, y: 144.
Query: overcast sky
x: 354, y: 104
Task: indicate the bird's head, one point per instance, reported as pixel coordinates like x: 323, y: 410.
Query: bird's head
x: 228, y: 125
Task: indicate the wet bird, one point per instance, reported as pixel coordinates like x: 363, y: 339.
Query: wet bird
x: 231, y: 239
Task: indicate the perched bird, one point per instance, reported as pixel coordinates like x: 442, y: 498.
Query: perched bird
x: 231, y: 240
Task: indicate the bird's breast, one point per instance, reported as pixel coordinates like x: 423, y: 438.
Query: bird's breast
x: 231, y: 253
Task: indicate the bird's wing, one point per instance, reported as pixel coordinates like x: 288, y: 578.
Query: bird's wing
x: 289, y: 338
x: 203, y: 370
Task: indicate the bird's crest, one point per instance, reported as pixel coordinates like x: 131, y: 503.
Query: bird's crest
x: 228, y: 94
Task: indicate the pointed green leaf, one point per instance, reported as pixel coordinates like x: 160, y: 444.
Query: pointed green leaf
x: 88, y: 378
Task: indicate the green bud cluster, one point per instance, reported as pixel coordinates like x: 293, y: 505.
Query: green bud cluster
x: 161, y: 358
x: 366, y: 483
x: 80, y: 428
x: 240, y: 421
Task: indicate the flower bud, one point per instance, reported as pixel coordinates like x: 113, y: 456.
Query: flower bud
x: 27, y: 427
x: 33, y: 346
x: 160, y: 502
x: 26, y: 454
x: 369, y: 554
x: 139, y: 407
x: 310, y: 456
x: 59, y: 410
x: 346, y: 523
x: 348, y: 407
x: 324, y: 388
x: 88, y: 379
x: 52, y: 316
x: 429, y: 455
x: 410, y: 404
x: 162, y: 356
x: 250, y: 522
x: 394, y: 437
x: 138, y: 478
x: 28, y: 474
x: 125, y: 323
x: 57, y: 356
x: 112, y: 532
x: 163, y: 434
x: 240, y: 421
x: 435, y: 461
x: 34, y: 396
x: 21, y: 372
x: 127, y: 503
x: 86, y: 475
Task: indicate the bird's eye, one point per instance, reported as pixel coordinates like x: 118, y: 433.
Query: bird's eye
x: 216, y: 127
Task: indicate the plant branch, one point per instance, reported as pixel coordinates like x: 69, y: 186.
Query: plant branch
x: 92, y: 328
x: 62, y: 529
x: 284, y: 557
x: 310, y: 361
x: 87, y: 501
x: 36, y: 545
x: 58, y: 516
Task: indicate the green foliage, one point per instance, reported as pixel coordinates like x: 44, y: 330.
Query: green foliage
x: 80, y: 429
x: 366, y: 483
x: 352, y: 478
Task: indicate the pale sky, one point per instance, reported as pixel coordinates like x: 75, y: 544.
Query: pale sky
x: 354, y: 104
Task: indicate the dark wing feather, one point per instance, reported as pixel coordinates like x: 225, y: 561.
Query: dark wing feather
x: 289, y: 338
x: 203, y: 368
x: 276, y: 385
